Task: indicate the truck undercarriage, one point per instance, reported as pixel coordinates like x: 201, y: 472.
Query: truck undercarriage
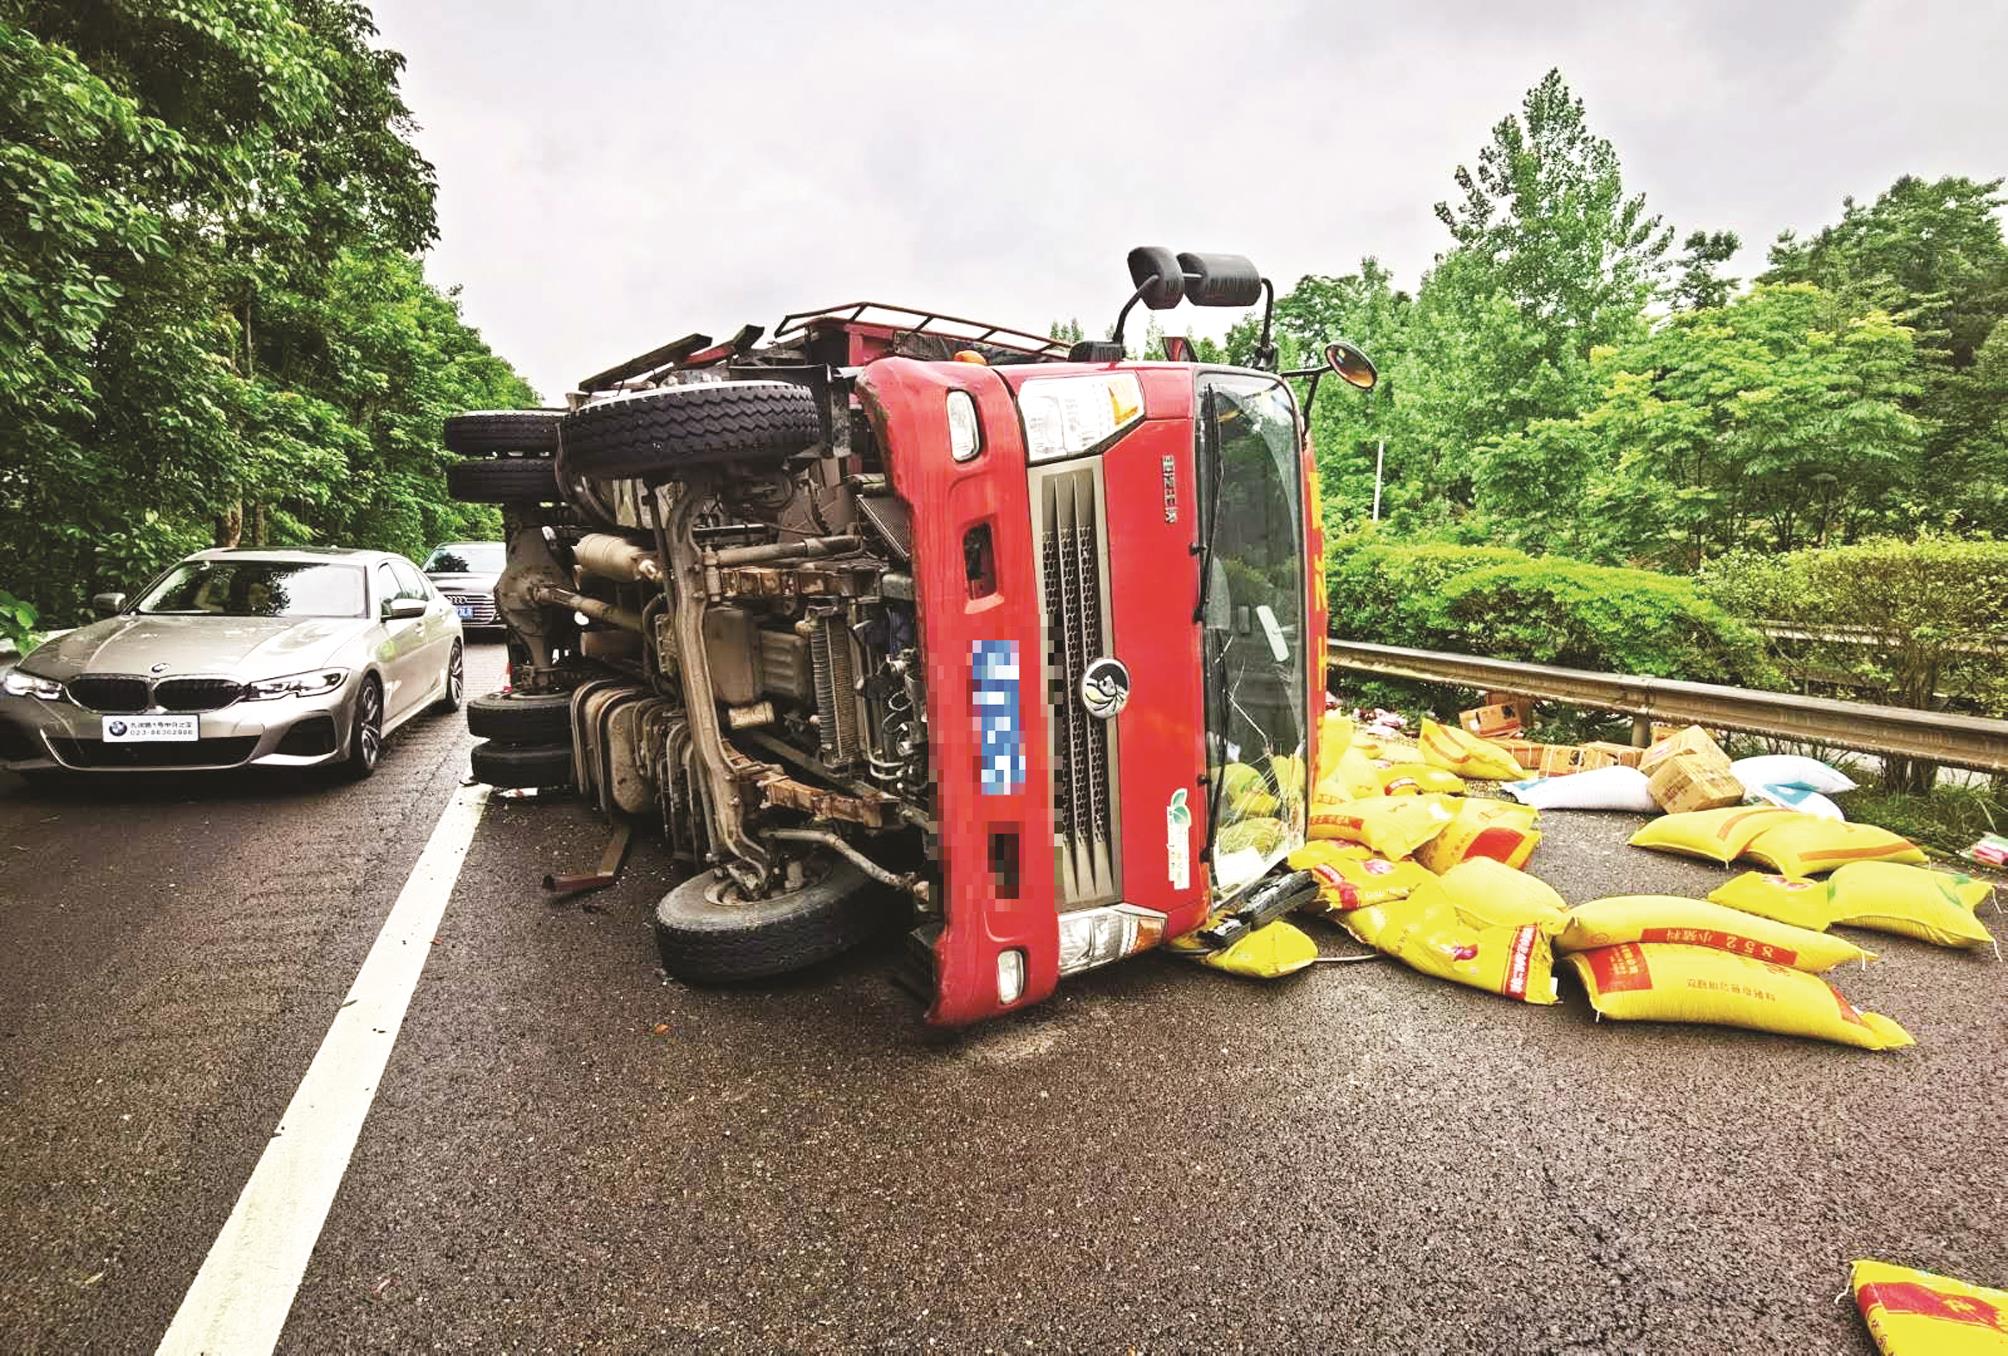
x: 841, y: 612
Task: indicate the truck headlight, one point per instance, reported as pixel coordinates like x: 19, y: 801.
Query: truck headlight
x: 1065, y: 416
x: 19, y: 684
x: 296, y: 685
x: 1091, y: 937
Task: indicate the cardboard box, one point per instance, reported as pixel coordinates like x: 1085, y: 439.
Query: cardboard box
x: 1624, y: 755
x: 1488, y: 722
x: 1554, y: 760
x: 1693, y: 743
x: 1684, y: 782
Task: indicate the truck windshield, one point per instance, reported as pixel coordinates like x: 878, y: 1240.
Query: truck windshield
x: 1252, y: 524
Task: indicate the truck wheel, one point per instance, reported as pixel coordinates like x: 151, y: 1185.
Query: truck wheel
x: 480, y: 432
x: 708, y: 934
x: 531, y: 765
x: 504, y: 480
x: 660, y: 432
x: 522, y: 717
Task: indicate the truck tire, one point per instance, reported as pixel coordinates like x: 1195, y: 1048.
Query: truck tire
x: 532, y: 765
x: 481, y: 432
x: 519, y: 718
x: 504, y: 480
x: 706, y: 938
x: 657, y: 433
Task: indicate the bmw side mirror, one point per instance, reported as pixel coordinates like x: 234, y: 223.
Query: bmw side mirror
x: 108, y: 604
x: 400, y: 609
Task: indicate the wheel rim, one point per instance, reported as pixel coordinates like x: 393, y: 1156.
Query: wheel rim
x: 369, y: 725
x: 456, y: 675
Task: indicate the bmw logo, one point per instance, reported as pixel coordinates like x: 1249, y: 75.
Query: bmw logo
x: 116, y: 728
x: 1105, y: 688
x: 159, y: 668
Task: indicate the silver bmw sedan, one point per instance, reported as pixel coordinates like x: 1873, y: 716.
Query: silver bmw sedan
x: 289, y: 658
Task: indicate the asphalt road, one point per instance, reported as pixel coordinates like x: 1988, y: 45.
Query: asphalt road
x: 569, y: 1151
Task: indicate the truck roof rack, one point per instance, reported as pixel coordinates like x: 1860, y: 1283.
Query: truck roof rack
x: 913, y: 320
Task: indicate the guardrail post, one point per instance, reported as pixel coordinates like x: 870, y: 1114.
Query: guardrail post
x: 1641, y: 732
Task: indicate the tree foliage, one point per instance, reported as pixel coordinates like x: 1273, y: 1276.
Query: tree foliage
x: 213, y: 324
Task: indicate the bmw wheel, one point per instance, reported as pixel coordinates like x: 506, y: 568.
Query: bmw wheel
x: 456, y: 682
x: 365, y: 731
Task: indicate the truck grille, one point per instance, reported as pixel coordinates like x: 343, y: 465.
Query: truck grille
x: 109, y: 693
x: 1069, y: 526
x: 475, y: 609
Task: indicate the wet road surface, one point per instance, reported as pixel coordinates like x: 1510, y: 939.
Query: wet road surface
x: 569, y: 1151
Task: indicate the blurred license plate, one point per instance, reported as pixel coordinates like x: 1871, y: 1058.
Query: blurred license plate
x: 149, y: 729
x: 466, y: 611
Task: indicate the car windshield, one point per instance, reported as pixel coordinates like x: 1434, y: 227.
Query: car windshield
x: 466, y: 557
x: 1252, y: 517
x: 256, y: 588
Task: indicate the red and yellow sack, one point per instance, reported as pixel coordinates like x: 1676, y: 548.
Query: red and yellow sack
x: 1718, y: 835
x: 1427, y: 933
x: 1459, y: 751
x: 1915, y: 1313
x: 1498, y: 829
x: 1662, y: 982
x: 1415, y: 779
x: 1346, y: 885
x: 1805, y: 846
x: 1695, y: 922
x: 1393, y: 826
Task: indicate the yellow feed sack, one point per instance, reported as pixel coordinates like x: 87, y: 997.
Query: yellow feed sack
x: 1414, y: 779
x: 1661, y: 982
x: 1497, y: 829
x: 1251, y: 835
x: 1321, y: 851
x: 1270, y: 952
x: 1694, y: 922
x: 1345, y: 885
x: 1805, y: 846
x: 1916, y: 1313
x: 1335, y: 736
x: 1353, y: 776
x: 1431, y: 935
x: 1457, y: 750
x: 1933, y: 906
x: 1802, y: 903
x: 1719, y: 835
x: 1393, y: 826
x: 1491, y: 893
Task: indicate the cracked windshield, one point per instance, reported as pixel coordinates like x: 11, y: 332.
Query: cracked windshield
x: 1254, y: 619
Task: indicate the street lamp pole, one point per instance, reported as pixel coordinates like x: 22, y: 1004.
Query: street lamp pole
x: 1380, y: 460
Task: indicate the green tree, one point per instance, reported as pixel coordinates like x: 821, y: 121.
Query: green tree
x: 1931, y: 254
x: 1701, y: 283
x: 190, y: 197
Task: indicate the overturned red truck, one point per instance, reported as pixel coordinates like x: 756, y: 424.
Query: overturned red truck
x: 902, y: 616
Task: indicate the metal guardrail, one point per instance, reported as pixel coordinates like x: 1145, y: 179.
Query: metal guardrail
x: 1957, y: 741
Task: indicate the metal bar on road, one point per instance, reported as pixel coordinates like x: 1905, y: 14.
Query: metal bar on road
x: 1957, y: 741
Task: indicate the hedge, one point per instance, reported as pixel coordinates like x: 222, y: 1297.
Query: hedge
x: 1505, y: 604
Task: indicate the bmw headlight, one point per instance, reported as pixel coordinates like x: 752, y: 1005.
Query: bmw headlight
x: 18, y: 684
x: 296, y: 685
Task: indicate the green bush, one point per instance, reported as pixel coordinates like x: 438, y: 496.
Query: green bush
x: 17, y: 623
x: 1504, y: 604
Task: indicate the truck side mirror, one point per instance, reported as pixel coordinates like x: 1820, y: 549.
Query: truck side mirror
x: 108, y: 604
x: 1221, y: 279
x: 1158, y: 277
x: 1351, y: 365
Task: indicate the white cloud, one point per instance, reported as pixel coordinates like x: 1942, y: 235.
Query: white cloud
x: 613, y: 175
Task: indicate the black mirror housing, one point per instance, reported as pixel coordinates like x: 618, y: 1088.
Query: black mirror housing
x: 1220, y: 279
x: 108, y: 604
x: 1148, y: 262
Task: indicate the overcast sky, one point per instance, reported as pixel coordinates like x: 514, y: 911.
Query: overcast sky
x: 612, y: 175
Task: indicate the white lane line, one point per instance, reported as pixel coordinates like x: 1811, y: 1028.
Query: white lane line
x: 241, y: 1297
